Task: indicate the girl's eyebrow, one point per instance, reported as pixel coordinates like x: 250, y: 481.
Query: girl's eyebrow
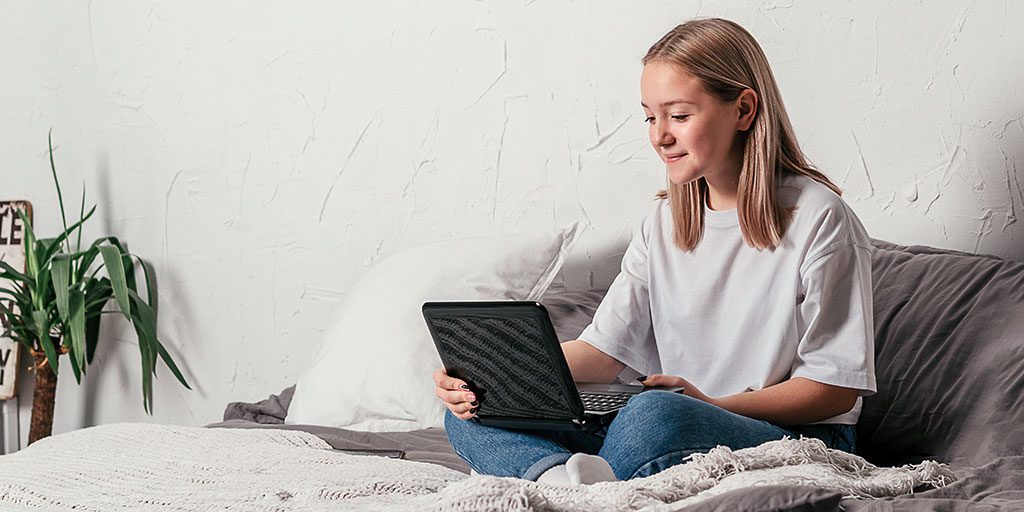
x: 669, y: 103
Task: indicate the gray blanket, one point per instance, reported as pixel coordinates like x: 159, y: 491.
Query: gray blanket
x: 949, y: 351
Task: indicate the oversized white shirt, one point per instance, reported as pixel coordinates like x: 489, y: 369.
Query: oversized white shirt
x: 730, y: 318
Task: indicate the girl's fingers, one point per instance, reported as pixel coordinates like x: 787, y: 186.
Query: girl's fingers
x: 456, y: 397
x: 455, y: 394
x: 653, y: 380
x: 660, y: 379
x: 442, y: 380
x: 439, y: 376
x: 463, y: 411
x: 460, y: 408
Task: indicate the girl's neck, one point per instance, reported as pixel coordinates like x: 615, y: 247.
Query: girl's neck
x: 723, y: 186
x: 722, y: 193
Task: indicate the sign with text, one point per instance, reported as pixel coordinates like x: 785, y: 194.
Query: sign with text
x: 12, y: 251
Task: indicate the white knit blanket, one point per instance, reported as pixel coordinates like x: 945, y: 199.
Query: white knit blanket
x: 161, y: 467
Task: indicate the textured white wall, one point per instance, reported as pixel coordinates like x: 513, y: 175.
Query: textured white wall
x: 263, y: 154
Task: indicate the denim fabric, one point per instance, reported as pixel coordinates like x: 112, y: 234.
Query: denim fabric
x: 654, y: 431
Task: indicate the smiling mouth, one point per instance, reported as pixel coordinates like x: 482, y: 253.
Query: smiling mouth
x: 674, y: 158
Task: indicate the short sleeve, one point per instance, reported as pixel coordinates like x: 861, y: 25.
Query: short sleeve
x: 622, y: 326
x: 835, y: 319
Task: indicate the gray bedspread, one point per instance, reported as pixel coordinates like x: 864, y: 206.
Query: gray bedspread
x: 949, y: 351
x: 427, y: 445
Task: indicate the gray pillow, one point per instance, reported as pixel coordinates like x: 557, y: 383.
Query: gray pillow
x: 571, y: 312
x: 949, y: 357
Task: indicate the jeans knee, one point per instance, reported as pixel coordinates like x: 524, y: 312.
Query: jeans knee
x: 658, y: 403
x: 655, y: 396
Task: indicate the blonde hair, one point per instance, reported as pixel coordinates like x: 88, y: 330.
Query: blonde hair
x: 726, y: 60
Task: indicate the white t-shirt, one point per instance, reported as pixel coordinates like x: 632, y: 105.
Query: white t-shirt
x: 728, y: 317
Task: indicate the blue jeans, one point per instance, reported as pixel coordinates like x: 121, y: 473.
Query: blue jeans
x: 654, y: 431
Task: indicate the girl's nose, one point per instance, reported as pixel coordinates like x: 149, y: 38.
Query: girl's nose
x: 662, y: 137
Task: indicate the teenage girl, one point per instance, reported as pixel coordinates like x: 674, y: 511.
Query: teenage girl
x: 748, y: 284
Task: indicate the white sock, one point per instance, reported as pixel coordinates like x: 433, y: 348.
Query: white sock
x: 588, y: 469
x: 556, y: 475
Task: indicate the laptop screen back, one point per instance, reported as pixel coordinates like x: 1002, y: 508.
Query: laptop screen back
x: 509, y: 355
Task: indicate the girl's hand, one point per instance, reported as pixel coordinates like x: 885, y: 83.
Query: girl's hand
x: 455, y: 394
x: 663, y: 380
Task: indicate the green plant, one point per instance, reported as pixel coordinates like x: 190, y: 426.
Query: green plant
x: 56, y: 305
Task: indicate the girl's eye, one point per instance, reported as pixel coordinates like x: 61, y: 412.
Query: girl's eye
x: 648, y: 120
x: 681, y: 117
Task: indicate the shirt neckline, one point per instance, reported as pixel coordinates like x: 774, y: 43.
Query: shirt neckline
x: 720, y: 218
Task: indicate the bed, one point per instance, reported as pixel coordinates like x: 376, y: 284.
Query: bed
x: 950, y: 370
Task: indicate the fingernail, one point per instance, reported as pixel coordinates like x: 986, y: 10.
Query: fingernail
x: 473, y: 403
x: 473, y: 410
x: 464, y: 386
x: 641, y: 378
x: 471, y: 398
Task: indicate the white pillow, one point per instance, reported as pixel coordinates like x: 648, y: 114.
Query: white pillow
x: 373, y: 369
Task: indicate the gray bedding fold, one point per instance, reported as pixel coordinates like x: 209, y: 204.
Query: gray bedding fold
x: 271, y: 411
x: 428, y: 445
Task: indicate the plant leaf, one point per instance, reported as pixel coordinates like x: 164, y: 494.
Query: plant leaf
x: 6, y: 318
x: 56, y: 245
x: 151, y: 290
x: 81, y: 219
x: 85, y: 263
x: 53, y: 169
x: 170, y: 364
x: 144, y: 321
x: 92, y: 333
x: 45, y: 247
x: 11, y: 273
x: 74, y: 365
x: 40, y: 317
x: 76, y: 326
x: 129, y: 268
x: 40, y: 324
x: 61, y: 270
x: 115, y: 269
x: 31, y: 263
x: 42, y: 295
x: 97, y: 294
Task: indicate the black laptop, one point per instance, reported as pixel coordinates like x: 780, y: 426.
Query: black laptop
x: 509, y: 355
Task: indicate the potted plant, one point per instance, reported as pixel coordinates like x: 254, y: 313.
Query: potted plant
x: 55, y: 306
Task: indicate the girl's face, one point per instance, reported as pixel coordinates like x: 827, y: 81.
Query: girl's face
x: 695, y: 133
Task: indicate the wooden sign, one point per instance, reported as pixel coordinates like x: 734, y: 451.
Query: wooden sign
x: 12, y: 251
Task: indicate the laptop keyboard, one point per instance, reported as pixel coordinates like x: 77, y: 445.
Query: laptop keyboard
x: 602, y: 402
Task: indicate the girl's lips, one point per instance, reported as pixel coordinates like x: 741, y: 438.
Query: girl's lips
x: 674, y: 158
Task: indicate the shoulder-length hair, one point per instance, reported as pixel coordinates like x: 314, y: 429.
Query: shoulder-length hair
x: 726, y: 60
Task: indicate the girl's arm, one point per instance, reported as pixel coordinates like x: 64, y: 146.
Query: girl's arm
x: 797, y: 401
x: 588, y: 364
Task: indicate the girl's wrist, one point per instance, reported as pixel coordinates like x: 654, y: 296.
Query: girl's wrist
x: 717, y: 402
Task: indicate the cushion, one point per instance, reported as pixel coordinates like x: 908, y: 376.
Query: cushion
x: 372, y: 371
x: 571, y: 311
x: 949, y: 357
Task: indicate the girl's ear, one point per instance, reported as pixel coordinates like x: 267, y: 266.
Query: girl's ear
x: 747, y: 102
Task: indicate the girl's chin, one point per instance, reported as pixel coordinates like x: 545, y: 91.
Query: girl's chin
x: 681, y: 178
